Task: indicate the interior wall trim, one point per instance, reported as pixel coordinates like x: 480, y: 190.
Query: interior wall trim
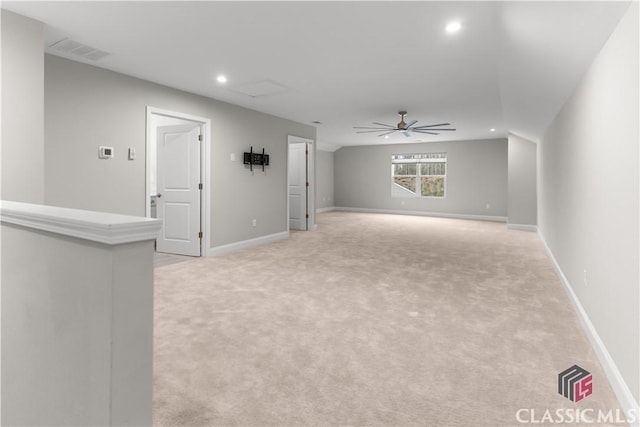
x: 107, y: 228
x: 320, y: 210
x: 425, y: 213
x: 245, y: 244
x: 620, y: 387
x: 522, y: 227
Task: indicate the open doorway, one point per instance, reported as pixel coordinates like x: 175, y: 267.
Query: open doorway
x: 300, y: 184
x: 177, y: 188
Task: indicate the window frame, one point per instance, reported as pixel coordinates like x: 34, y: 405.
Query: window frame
x: 419, y: 159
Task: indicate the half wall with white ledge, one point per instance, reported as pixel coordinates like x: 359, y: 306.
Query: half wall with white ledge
x: 77, y: 316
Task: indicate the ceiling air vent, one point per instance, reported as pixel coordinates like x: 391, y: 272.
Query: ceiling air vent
x: 78, y: 49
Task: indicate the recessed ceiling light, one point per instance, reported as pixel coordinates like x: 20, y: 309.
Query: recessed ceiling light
x: 221, y: 78
x: 492, y: 130
x: 386, y: 137
x: 453, y: 27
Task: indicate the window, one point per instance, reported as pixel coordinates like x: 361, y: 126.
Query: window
x: 419, y: 175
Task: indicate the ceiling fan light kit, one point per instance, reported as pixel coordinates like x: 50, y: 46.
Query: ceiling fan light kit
x: 404, y: 128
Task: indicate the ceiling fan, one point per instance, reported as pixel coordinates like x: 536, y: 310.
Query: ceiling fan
x: 403, y: 127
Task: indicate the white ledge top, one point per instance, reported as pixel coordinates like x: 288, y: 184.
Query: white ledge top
x: 110, y: 229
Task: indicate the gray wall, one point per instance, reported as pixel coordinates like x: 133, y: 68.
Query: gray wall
x: 77, y: 330
x: 476, y: 176
x: 588, y: 195
x: 522, y: 198
x: 87, y: 107
x: 324, y: 179
x: 22, y: 109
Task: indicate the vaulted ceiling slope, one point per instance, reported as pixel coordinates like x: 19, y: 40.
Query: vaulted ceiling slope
x: 511, y: 66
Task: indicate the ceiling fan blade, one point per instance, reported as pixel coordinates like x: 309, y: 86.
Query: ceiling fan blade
x: 411, y: 123
x: 414, y: 129
x: 387, y: 133
x: 382, y: 124
x: 366, y: 127
x: 375, y: 130
x: 432, y: 126
x: 406, y: 134
x: 424, y: 131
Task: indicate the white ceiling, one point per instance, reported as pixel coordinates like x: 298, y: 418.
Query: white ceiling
x: 345, y: 64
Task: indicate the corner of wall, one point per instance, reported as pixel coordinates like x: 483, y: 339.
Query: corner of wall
x: 22, y: 84
x: 522, y: 172
x: 590, y: 222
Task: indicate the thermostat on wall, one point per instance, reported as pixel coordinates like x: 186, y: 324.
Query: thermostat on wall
x: 105, y: 153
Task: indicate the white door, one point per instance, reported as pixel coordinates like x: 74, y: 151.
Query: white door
x: 298, y: 186
x: 178, y: 180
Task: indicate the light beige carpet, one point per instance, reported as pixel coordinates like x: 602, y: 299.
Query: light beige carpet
x: 371, y: 320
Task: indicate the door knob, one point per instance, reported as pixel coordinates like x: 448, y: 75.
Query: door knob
x: 158, y: 195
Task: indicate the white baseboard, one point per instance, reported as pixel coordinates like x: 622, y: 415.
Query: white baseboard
x: 423, y: 213
x: 320, y: 210
x: 523, y: 227
x: 244, y: 244
x: 624, y: 395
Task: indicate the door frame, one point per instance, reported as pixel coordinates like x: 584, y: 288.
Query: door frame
x: 205, y: 168
x: 311, y: 176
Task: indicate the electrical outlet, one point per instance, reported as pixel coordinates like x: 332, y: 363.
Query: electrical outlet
x: 233, y: 157
x: 488, y: 206
x: 254, y: 222
x: 402, y: 202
